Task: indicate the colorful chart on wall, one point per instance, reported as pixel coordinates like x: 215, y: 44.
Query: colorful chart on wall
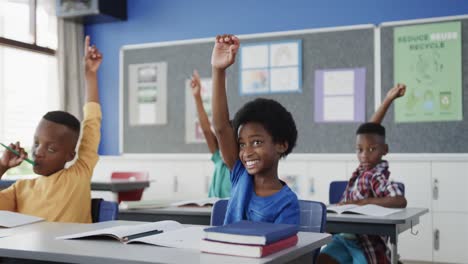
x: 193, y: 131
x: 273, y: 67
x: 340, y: 95
x: 147, y: 94
x: 427, y: 58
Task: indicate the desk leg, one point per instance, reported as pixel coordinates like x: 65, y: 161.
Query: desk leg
x: 394, y: 248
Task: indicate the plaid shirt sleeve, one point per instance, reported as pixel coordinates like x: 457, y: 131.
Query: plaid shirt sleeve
x: 383, y: 187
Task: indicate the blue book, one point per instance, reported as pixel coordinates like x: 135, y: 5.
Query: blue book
x: 251, y: 233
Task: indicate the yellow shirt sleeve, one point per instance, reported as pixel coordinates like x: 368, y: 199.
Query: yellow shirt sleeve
x: 8, y: 198
x: 90, y: 138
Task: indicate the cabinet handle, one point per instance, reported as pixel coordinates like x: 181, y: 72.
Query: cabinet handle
x: 435, y: 190
x: 436, y: 239
x: 176, y: 184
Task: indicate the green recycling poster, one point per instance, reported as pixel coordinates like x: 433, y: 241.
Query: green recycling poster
x: 427, y: 58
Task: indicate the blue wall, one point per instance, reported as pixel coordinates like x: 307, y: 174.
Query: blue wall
x: 164, y: 20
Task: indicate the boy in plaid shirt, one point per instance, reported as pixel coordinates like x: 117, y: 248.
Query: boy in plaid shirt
x: 369, y: 184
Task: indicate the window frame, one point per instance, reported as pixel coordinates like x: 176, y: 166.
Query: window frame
x: 25, y: 45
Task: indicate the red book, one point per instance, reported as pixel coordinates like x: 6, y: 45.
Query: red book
x: 244, y: 250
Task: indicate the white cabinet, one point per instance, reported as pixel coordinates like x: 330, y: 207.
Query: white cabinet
x: 450, y: 211
x: 189, y: 180
x: 322, y: 173
x: 416, y: 177
x: 450, y: 186
x: 161, y: 186
x: 295, y: 174
x: 450, y: 237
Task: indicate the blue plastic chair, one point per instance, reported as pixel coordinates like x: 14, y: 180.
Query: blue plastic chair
x: 313, y: 218
x: 218, y: 212
x: 102, y: 210
x: 337, y: 189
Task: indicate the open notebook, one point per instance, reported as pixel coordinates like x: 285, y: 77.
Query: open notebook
x: 163, y: 233
x: 368, y: 209
x: 12, y: 219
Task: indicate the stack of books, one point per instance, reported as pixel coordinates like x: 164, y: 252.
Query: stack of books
x: 249, y: 239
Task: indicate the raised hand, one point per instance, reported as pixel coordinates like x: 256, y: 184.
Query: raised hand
x: 195, y: 83
x: 10, y: 159
x: 92, y: 57
x: 224, y: 51
x: 397, y: 91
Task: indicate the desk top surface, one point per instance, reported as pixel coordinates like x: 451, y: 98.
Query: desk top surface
x: 38, y: 241
x: 180, y: 210
x: 113, y: 186
x: 396, y: 218
x: 401, y: 217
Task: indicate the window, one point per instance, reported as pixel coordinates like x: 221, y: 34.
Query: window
x: 28, y: 70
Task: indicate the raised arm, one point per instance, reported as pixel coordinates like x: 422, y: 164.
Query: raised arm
x: 395, y: 92
x: 223, y: 56
x: 91, y: 125
x: 92, y: 60
x: 202, y: 116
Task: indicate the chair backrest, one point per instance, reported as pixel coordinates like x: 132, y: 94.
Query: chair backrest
x: 313, y: 216
x: 102, y: 210
x: 337, y: 189
x: 134, y: 195
x: 218, y: 212
x: 313, y: 219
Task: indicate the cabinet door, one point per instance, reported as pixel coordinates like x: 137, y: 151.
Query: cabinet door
x: 162, y: 184
x: 294, y: 173
x: 450, y: 237
x: 208, y: 169
x: 189, y: 180
x: 321, y: 174
x: 417, y: 180
x: 450, y: 182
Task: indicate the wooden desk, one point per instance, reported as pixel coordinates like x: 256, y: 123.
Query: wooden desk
x: 112, y: 186
x: 38, y: 242
x: 183, y: 215
x: 390, y: 225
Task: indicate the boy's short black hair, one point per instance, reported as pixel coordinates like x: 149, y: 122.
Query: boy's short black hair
x: 63, y: 118
x: 371, y: 128
x: 273, y: 116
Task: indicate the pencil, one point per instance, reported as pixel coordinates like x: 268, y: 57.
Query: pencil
x: 17, y: 153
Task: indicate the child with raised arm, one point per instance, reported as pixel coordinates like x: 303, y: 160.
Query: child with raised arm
x: 220, y: 184
x: 369, y: 184
x: 60, y: 194
x: 263, y: 132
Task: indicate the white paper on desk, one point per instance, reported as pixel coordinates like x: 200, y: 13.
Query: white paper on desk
x: 187, y: 238
x: 374, y: 210
x: 368, y: 209
x: 12, y: 219
x: 120, y: 232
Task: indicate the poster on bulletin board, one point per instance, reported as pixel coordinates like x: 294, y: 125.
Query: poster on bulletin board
x: 272, y: 67
x: 427, y: 58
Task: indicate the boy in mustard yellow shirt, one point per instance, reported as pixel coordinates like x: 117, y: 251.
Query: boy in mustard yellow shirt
x: 60, y: 194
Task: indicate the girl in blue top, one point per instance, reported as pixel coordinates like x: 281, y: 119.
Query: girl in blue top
x: 263, y: 131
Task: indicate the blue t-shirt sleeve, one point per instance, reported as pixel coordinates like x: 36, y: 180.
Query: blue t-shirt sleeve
x: 290, y: 214
x: 237, y: 171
